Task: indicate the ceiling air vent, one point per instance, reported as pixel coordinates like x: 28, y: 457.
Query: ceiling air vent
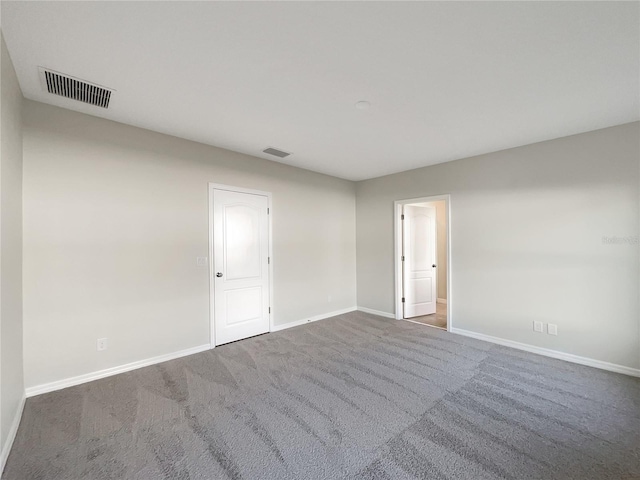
x: 75, y: 89
x: 276, y: 152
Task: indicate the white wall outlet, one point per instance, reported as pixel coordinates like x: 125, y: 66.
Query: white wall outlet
x: 552, y: 329
x: 102, y: 344
x: 329, y: 299
x: 201, y: 261
x: 538, y: 327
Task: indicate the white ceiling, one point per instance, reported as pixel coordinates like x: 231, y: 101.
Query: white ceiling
x: 446, y: 80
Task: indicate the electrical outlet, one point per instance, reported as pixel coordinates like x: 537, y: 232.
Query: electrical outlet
x: 102, y: 344
x: 329, y: 299
x: 552, y: 329
x: 201, y: 261
x: 538, y: 327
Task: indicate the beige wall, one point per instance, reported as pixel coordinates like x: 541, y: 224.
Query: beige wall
x: 527, y: 228
x: 114, y: 218
x: 11, y: 371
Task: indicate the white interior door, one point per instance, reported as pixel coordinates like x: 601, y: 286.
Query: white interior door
x: 240, y: 265
x: 419, y: 266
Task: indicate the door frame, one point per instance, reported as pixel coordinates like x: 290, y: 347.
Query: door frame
x: 230, y: 188
x: 397, y: 251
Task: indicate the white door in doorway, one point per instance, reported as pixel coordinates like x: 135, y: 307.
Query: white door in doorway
x: 240, y: 272
x: 419, y: 266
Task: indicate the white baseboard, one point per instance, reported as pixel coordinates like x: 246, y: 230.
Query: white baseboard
x: 376, y: 312
x: 590, y: 362
x: 89, y: 377
x: 277, y: 328
x: 13, y: 430
x: 441, y: 300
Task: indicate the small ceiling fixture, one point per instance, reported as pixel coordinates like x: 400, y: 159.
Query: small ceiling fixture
x: 276, y: 152
x: 74, y: 88
x: 363, y: 105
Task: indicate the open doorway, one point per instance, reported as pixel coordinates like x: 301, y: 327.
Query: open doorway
x: 422, y: 259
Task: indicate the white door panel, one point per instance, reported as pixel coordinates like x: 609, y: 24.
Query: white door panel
x: 419, y: 266
x: 242, y: 257
x: 242, y: 305
x: 421, y: 291
x: 240, y: 265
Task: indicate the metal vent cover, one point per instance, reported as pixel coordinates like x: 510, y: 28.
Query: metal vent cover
x: 75, y: 89
x: 276, y: 152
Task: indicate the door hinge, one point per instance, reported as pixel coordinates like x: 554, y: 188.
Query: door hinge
x: 267, y: 211
x: 402, y: 217
x: 402, y: 299
x: 268, y: 260
x: 403, y: 258
x: 269, y: 309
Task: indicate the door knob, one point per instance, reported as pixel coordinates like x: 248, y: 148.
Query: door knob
x: 219, y: 274
x: 434, y: 266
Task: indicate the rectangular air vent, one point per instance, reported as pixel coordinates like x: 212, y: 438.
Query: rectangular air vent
x: 75, y: 89
x: 276, y: 152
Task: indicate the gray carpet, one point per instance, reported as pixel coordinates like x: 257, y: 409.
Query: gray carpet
x: 355, y: 396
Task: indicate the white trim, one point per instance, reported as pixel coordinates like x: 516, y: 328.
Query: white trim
x: 212, y: 342
x: 108, y: 372
x: 441, y: 300
x: 590, y: 362
x: 230, y: 188
x: 297, y: 323
x: 13, y: 430
x: 397, y: 252
x: 376, y: 312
